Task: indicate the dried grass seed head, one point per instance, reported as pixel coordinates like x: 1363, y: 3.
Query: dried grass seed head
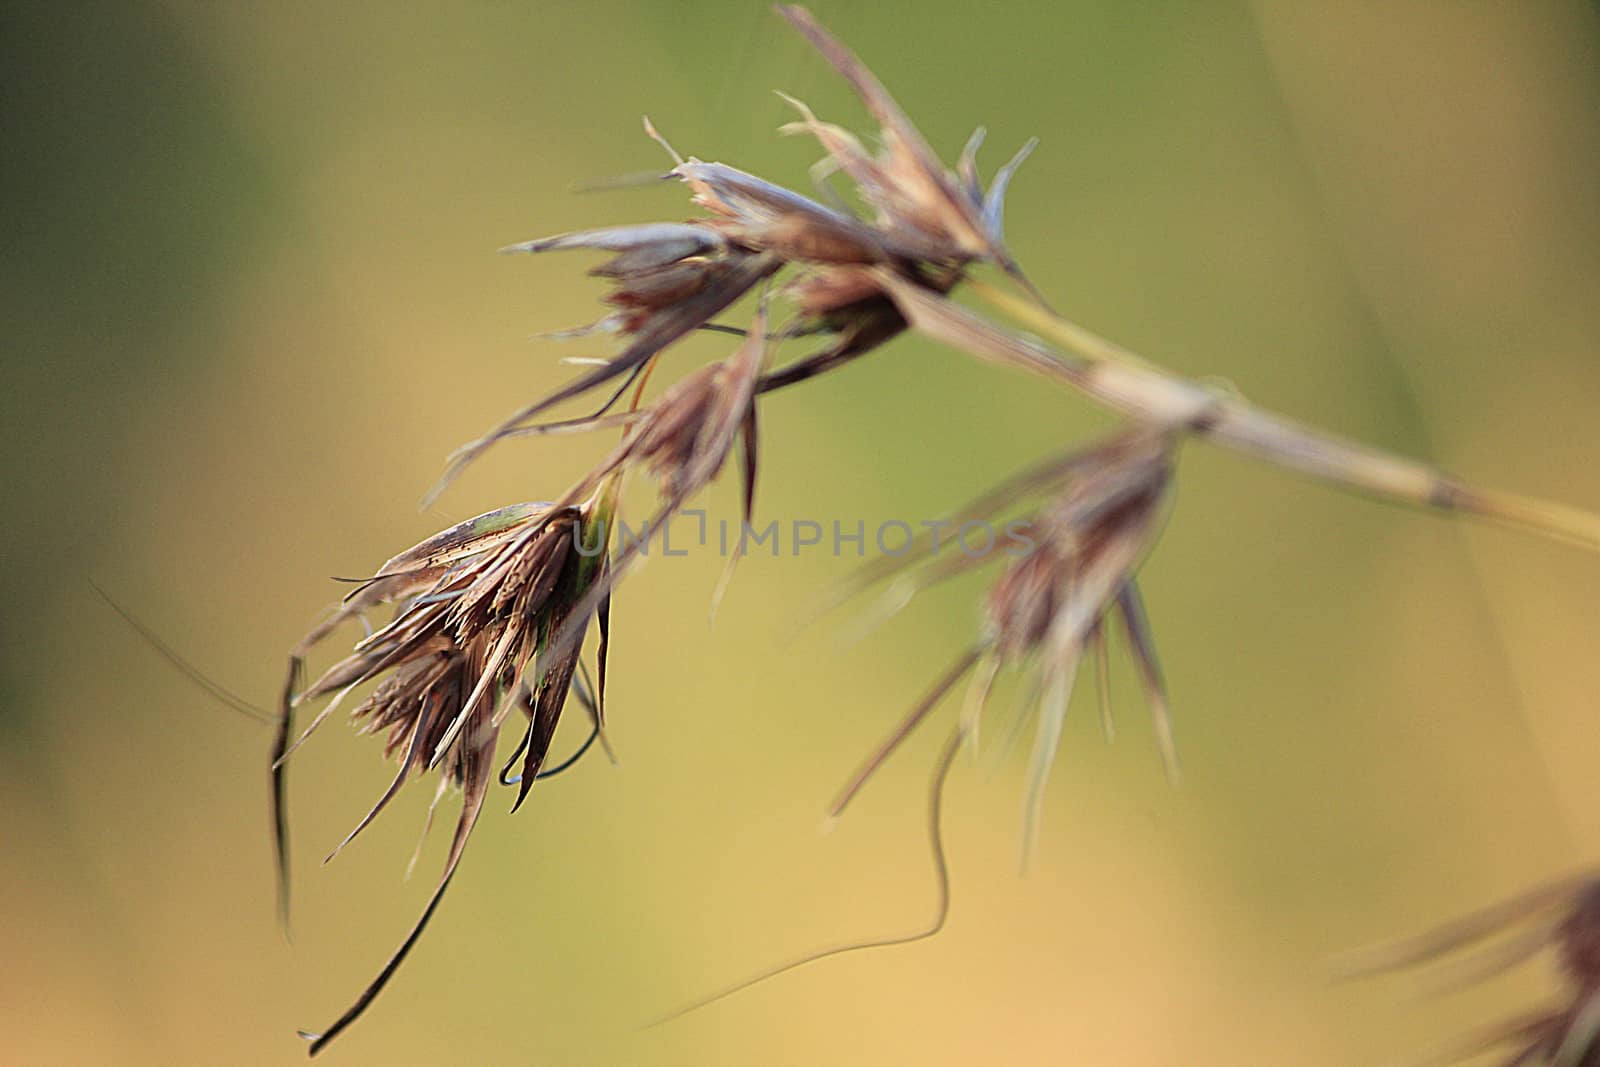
x: 685, y: 436
x: 762, y: 216
x: 921, y: 206
x: 1049, y: 606
x: 1087, y: 543
x: 683, y: 439
x: 1560, y: 920
x: 673, y: 278
x: 658, y: 266
x: 476, y: 607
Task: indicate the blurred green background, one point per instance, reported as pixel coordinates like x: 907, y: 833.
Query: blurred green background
x: 251, y: 302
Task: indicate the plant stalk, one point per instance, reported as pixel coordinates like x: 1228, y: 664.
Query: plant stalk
x: 1121, y: 380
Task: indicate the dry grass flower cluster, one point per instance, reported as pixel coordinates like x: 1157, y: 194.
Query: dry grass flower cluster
x: 1561, y: 920
x: 489, y: 617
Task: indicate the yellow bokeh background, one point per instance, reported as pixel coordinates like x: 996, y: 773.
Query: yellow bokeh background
x: 252, y: 302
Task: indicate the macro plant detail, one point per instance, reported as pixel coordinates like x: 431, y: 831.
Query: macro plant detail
x: 491, y: 615
x: 477, y: 605
x: 1561, y: 920
x: 1052, y: 604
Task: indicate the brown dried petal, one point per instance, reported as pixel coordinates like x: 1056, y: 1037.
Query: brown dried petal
x: 1563, y: 916
x: 914, y: 186
x: 1579, y: 936
x: 665, y: 286
x: 769, y: 217
x: 644, y: 247
x: 654, y: 333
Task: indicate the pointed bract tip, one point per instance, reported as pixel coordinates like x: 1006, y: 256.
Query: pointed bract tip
x: 655, y: 135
